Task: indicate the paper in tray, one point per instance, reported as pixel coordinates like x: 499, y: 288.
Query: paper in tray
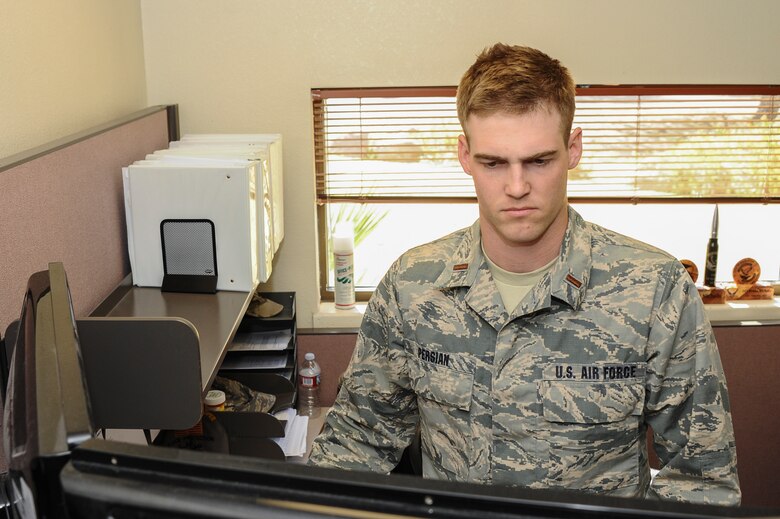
x: 262, y: 341
x: 277, y: 361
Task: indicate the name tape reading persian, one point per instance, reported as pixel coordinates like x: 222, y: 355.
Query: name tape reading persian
x: 435, y: 357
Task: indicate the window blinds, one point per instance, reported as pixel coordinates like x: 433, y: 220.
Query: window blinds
x: 641, y: 143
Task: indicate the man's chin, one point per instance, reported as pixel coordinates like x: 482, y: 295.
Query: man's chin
x: 522, y: 238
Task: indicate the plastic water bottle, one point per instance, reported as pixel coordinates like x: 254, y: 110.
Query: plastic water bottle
x: 309, y: 387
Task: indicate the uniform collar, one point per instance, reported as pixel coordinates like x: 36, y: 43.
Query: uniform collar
x: 463, y: 267
x: 568, y: 277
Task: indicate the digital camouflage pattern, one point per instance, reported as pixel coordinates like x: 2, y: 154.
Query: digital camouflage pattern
x: 559, y: 393
x: 242, y: 398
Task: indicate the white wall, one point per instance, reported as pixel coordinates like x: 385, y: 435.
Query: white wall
x: 65, y: 67
x: 248, y: 65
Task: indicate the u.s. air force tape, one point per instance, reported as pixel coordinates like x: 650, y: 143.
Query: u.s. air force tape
x: 596, y: 371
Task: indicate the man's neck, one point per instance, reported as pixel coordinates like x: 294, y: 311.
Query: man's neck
x: 527, y: 257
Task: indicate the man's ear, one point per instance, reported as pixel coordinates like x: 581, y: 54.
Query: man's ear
x: 464, y: 154
x: 575, y: 147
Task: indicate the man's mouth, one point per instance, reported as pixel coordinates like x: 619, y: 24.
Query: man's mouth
x: 518, y: 211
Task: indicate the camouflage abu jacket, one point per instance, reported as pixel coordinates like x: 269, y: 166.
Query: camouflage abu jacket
x: 558, y: 393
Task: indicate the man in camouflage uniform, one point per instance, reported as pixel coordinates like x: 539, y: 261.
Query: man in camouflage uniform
x: 535, y: 348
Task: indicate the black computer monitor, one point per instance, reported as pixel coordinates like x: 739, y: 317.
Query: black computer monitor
x: 46, y: 412
x: 110, y: 479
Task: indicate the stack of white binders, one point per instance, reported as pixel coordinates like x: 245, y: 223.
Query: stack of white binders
x: 231, y: 180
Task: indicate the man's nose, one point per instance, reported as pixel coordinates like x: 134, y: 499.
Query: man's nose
x: 517, y: 185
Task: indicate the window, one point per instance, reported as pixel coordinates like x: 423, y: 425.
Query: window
x: 386, y: 160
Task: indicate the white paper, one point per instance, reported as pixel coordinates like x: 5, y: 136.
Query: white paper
x: 223, y: 194
x: 294, y: 441
x: 271, y: 146
x: 255, y: 362
x: 261, y: 341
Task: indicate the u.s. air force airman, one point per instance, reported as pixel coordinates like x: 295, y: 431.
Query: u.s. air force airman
x: 559, y: 393
x: 535, y: 348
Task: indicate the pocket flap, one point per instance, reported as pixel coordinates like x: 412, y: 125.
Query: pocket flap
x: 591, y: 402
x: 443, y: 385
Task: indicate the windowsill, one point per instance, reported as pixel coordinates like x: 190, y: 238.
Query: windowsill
x: 745, y: 312
x: 731, y: 313
x: 328, y: 316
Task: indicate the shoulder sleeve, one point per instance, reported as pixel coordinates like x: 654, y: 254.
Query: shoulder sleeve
x: 687, y: 402
x: 375, y: 414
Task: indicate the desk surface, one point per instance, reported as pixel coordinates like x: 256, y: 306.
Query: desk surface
x: 215, y: 316
x: 312, y: 430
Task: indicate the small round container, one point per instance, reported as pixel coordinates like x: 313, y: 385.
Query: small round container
x: 215, y: 400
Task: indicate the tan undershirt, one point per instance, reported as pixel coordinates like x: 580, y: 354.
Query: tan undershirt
x: 513, y: 286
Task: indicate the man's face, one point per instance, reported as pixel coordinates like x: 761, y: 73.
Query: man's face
x: 519, y: 164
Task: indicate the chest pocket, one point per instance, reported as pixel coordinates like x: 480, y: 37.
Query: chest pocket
x: 592, y: 433
x: 591, y: 402
x: 446, y: 386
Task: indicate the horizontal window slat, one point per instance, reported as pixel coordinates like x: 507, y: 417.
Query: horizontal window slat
x: 640, y: 142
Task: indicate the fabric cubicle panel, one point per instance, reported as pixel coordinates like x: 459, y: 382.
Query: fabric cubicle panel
x: 333, y: 350
x: 64, y: 202
x: 751, y: 361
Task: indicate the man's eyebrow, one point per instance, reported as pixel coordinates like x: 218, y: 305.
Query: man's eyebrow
x: 488, y: 157
x: 541, y: 155
x: 536, y: 156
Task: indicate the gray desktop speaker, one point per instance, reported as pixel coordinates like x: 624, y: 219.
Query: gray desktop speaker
x: 189, y: 250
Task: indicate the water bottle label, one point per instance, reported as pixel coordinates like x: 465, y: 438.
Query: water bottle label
x: 310, y: 381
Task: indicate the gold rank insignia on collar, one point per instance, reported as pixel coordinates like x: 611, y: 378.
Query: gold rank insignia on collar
x: 576, y: 283
x: 460, y: 266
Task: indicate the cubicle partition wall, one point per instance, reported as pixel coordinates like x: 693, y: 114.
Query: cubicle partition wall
x: 64, y: 202
x: 751, y: 360
x: 333, y: 349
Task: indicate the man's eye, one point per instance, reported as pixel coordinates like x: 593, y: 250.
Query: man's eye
x: 541, y: 162
x: 490, y: 165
